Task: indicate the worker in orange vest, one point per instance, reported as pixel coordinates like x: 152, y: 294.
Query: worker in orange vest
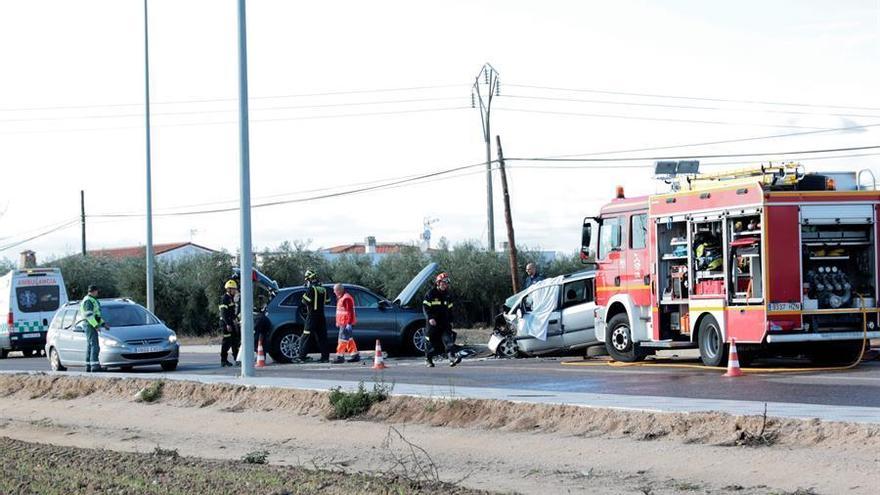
x: 345, y: 318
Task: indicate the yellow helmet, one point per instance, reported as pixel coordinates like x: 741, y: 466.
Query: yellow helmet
x: 231, y: 285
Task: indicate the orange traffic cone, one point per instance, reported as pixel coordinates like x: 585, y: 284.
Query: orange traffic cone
x: 733, y: 361
x: 379, y: 359
x: 261, y: 355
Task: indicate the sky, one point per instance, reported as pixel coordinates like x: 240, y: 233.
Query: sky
x: 345, y: 94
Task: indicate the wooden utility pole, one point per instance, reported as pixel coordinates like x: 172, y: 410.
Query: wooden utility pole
x: 82, y: 210
x: 508, y: 219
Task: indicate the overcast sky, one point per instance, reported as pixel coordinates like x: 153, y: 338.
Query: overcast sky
x: 72, y: 91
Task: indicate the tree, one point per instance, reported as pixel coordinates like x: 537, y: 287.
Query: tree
x: 6, y: 265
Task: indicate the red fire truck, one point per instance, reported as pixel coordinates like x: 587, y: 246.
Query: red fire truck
x: 774, y: 258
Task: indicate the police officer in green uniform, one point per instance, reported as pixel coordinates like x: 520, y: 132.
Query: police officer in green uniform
x: 312, y: 306
x: 90, y: 309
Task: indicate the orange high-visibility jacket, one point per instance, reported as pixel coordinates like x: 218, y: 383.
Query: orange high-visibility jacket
x: 345, y: 311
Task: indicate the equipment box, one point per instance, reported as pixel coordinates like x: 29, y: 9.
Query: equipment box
x: 706, y: 287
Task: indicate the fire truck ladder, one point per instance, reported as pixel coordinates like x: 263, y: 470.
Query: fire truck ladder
x: 787, y: 174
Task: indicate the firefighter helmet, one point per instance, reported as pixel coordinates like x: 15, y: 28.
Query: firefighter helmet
x: 311, y: 276
x: 443, y: 277
x: 230, y: 284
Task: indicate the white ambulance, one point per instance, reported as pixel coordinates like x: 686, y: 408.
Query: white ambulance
x: 28, y: 300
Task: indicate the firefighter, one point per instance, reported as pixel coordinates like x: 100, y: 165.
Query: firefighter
x: 437, y: 307
x: 312, y: 306
x: 91, y: 311
x: 228, y: 316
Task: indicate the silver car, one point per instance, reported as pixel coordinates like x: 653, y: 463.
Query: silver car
x: 136, y: 338
x: 570, y: 324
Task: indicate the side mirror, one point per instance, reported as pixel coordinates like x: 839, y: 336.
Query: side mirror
x: 588, y: 240
x: 383, y: 305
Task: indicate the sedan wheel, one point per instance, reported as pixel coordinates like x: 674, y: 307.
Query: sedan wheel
x: 508, y: 348
x: 55, y: 361
x: 419, y: 340
x: 289, y: 345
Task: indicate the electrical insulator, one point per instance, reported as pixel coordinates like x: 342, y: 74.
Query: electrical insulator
x: 497, y: 87
x: 487, y: 76
x: 473, y: 100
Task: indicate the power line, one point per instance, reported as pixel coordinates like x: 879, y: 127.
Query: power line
x: 686, y: 107
x: 43, y: 234
x: 692, y: 157
x: 214, y: 100
x: 600, y: 166
x: 725, y: 141
x: 289, y: 193
x: 228, y: 122
x: 348, y: 192
x: 658, y: 119
x: 206, y: 112
x: 695, y: 98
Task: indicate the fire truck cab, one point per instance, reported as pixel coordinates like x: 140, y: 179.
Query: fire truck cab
x: 770, y: 257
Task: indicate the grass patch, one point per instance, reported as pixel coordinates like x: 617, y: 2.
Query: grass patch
x: 165, y: 453
x: 150, y: 393
x: 350, y: 404
x: 256, y: 457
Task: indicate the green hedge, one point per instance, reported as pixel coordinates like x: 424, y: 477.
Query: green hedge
x: 187, y: 291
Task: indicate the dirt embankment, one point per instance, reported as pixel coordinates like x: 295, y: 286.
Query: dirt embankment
x: 495, y: 445
x: 702, y: 428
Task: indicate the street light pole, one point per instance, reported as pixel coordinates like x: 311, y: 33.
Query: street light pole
x: 247, y: 269
x: 149, y: 248
x: 487, y: 77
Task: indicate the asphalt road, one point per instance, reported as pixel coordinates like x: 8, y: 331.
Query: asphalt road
x: 856, y: 387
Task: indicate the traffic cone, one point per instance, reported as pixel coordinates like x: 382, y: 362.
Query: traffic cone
x: 379, y: 359
x: 733, y: 361
x: 261, y: 355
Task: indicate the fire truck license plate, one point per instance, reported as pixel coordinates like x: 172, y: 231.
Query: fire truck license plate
x: 147, y: 349
x: 31, y: 335
x: 791, y: 306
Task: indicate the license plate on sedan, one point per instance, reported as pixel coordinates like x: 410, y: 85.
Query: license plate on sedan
x: 143, y: 349
x: 31, y: 336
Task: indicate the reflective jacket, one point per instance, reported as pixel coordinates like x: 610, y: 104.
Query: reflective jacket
x: 91, y: 311
x: 312, y: 304
x: 345, y: 314
x: 438, y: 306
x: 228, y: 310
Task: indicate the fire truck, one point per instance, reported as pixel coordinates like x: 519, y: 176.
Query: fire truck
x: 774, y: 258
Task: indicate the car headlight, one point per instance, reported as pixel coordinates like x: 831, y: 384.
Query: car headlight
x: 172, y: 338
x: 109, y: 342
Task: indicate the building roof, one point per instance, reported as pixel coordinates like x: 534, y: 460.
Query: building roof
x: 361, y: 248
x: 138, y: 251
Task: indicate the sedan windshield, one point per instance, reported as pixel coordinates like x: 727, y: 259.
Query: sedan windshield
x: 127, y: 316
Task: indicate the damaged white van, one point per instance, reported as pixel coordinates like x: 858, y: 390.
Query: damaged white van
x: 553, y: 315
x: 28, y: 301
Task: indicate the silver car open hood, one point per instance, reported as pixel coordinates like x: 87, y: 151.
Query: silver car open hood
x: 408, y: 292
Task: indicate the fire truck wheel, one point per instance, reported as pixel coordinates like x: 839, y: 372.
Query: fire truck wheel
x: 713, y: 350
x: 619, y: 342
